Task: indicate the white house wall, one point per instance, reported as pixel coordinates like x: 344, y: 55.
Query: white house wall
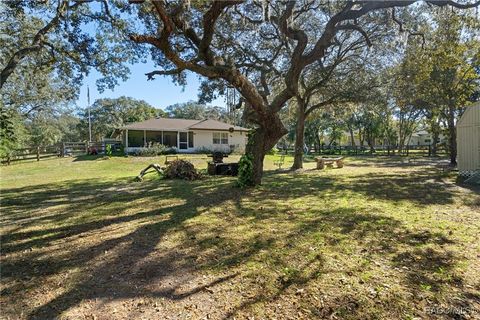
x: 204, y: 139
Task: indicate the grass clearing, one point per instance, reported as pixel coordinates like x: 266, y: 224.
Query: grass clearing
x: 381, y: 238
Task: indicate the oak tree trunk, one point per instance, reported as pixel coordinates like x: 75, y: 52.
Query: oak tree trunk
x: 262, y: 140
x: 452, y: 137
x: 435, y: 139
x: 352, y: 138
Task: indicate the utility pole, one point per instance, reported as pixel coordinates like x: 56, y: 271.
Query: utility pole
x: 89, y: 121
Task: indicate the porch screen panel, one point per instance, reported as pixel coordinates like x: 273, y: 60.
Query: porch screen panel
x: 170, y: 138
x: 135, y: 138
x: 154, y: 137
x: 183, y: 140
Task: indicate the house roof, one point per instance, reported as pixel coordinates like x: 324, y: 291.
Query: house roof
x: 166, y: 124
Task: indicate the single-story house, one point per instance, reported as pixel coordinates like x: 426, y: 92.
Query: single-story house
x: 185, y: 135
x: 468, y: 141
x: 424, y: 138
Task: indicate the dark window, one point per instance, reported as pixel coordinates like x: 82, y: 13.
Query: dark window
x: 170, y: 138
x: 154, y: 137
x: 216, y: 138
x: 190, y: 139
x: 183, y: 140
x: 224, y: 138
x: 135, y: 138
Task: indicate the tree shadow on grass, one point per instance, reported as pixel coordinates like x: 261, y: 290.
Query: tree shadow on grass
x: 376, y: 236
x: 136, y: 245
x: 425, y: 186
x: 92, y: 157
x: 160, y: 252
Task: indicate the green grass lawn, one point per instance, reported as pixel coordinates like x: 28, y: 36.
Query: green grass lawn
x: 381, y: 238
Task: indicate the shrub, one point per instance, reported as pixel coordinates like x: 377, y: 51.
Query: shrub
x: 245, y: 171
x: 144, y: 152
x: 206, y: 150
x: 155, y: 149
x: 181, y: 169
x: 171, y: 150
x: 273, y: 151
x: 108, y: 150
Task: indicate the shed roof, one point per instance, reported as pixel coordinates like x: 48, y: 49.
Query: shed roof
x: 166, y: 124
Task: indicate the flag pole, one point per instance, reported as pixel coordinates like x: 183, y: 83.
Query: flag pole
x: 89, y: 121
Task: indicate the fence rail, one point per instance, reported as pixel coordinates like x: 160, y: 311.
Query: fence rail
x: 59, y: 150
x: 420, y: 150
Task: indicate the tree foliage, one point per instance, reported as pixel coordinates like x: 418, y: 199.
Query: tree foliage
x: 108, y: 114
x: 197, y: 111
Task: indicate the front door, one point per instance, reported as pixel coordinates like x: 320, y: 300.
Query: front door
x: 183, y: 140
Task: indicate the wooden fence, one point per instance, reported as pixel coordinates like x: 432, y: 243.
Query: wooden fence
x: 59, y: 150
x: 420, y: 150
x: 32, y: 153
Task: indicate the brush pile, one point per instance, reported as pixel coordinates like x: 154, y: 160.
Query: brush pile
x: 181, y: 169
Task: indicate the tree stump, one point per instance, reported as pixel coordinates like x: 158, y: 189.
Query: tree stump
x: 320, y: 164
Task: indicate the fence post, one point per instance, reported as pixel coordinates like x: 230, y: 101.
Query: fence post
x: 86, y: 147
x: 38, y: 153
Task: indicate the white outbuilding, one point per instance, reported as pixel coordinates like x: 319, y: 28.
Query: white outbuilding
x: 468, y: 141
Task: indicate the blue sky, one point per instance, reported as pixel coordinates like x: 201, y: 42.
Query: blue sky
x: 160, y: 92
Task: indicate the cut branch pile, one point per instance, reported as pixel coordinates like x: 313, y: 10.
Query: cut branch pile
x: 181, y: 169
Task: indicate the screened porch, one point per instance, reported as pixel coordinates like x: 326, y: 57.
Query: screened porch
x: 182, y: 140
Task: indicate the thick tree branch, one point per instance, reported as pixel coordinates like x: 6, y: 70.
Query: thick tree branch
x: 151, y: 75
x: 355, y: 28
x: 455, y: 4
x: 209, y: 20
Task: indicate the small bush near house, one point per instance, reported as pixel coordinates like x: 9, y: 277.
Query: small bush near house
x: 205, y: 150
x: 108, y: 150
x: 155, y: 149
x: 181, y: 169
x: 245, y: 171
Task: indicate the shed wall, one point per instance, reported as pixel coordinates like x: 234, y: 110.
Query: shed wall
x: 468, y: 141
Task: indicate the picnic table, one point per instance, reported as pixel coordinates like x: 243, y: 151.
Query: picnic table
x: 323, y: 161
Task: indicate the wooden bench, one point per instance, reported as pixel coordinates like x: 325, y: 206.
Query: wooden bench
x: 167, y: 161
x: 279, y: 162
x: 322, y: 162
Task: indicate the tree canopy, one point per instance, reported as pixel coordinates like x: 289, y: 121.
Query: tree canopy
x: 108, y: 114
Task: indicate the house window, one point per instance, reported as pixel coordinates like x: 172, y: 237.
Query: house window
x: 154, y: 137
x: 220, y: 138
x: 170, y: 138
x: 224, y: 138
x: 135, y: 138
x: 190, y: 139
